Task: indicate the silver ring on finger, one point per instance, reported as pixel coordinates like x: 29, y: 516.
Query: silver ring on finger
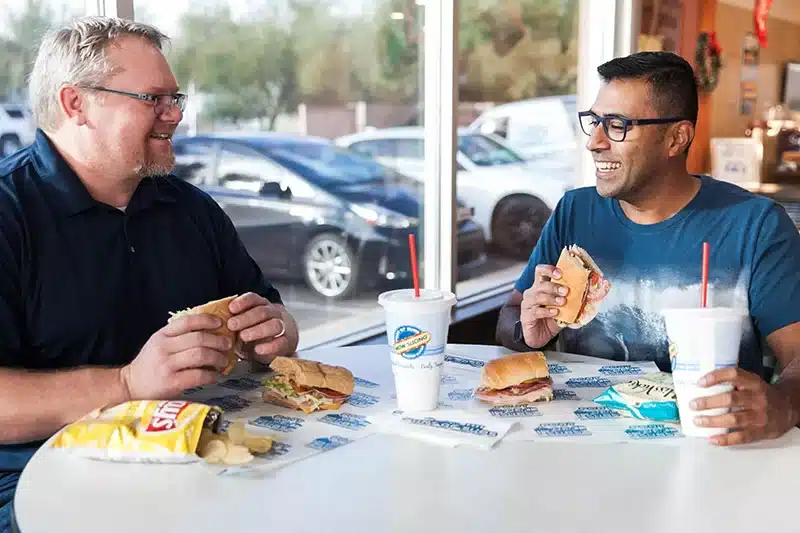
x: 283, y: 328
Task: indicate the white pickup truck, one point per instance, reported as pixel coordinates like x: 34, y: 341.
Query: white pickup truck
x: 16, y: 128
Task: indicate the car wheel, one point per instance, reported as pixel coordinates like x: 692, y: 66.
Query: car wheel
x: 9, y: 144
x: 329, y: 267
x: 517, y: 225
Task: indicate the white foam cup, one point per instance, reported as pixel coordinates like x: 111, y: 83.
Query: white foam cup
x: 702, y: 340
x: 416, y: 329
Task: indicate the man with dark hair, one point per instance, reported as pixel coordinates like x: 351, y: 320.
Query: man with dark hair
x: 644, y: 224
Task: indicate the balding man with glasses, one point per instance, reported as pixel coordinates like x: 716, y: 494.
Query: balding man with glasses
x: 644, y: 224
x: 98, y: 243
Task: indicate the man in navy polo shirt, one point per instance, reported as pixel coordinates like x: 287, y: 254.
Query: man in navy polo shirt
x: 98, y: 244
x: 644, y: 225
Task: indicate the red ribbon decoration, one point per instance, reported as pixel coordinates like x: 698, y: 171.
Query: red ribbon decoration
x: 760, y: 20
x: 713, y: 45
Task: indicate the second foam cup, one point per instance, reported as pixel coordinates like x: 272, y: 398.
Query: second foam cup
x: 702, y: 340
x: 416, y: 329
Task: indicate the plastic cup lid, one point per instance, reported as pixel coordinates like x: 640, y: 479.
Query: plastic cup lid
x: 407, y: 295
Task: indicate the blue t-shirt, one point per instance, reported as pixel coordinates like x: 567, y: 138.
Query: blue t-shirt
x: 754, y: 264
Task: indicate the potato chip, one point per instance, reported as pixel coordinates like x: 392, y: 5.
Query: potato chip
x: 258, y: 443
x: 237, y: 432
x: 214, y: 449
x: 237, y: 455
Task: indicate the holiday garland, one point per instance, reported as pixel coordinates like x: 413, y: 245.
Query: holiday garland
x: 708, y: 61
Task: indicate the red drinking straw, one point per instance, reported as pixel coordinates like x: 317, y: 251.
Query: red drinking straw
x: 704, y: 295
x: 412, y: 247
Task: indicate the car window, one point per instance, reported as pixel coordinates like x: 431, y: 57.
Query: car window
x: 15, y: 113
x: 484, y: 151
x: 376, y: 148
x: 242, y: 168
x: 409, y: 148
x: 328, y: 165
x: 391, y: 148
x: 195, y: 161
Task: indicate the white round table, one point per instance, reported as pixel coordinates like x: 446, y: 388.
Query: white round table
x: 387, y: 483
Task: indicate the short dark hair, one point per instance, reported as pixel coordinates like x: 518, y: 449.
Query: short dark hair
x: 671, y: 80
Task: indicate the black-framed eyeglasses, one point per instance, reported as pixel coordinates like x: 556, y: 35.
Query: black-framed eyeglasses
x: 162, y: 103
x: 615, y: 126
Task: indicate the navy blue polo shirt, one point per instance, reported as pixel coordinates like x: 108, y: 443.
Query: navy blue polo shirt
x: 84, y: 283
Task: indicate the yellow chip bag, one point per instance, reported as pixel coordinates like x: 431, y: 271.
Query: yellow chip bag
x: 141, y: 431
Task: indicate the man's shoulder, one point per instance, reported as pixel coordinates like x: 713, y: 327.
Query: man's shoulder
x: 15, y: 167
x: 730, y: 195
x: 17, y: 172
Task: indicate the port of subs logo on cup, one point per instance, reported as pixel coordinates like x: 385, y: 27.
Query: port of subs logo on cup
x: 702, y: 340
x: 416, y: 330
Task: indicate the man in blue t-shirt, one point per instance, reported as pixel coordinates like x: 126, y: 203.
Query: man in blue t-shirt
x: 644, y: 224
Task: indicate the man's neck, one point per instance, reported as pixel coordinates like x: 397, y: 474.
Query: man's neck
x: 663, y: 199
x: 100, y: 182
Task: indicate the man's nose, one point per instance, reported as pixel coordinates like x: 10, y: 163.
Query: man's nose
x: 173, y: 115
x: 598, y: 140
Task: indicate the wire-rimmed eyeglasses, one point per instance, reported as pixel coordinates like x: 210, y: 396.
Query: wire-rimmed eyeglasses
x: 162, y: 103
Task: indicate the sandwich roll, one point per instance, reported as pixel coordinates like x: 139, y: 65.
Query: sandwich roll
x: 220, y: 309
x: 587, y: 287
x: 308, y: 385
x: 516, y: 379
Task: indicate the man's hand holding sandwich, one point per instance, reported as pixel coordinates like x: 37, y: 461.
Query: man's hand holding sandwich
x: 539, y: 307
x: 266, y: 330
x: 566, y: 295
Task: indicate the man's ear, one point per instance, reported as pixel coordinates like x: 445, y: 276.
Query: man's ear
x: 73, y: 104
x: 681, y: 138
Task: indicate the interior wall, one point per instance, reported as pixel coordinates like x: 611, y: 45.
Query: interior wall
x: 734, y: 18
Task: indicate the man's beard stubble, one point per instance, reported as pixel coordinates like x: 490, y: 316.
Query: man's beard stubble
x: 153, y: 167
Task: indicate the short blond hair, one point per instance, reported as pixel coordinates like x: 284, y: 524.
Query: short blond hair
x: 77, y: 54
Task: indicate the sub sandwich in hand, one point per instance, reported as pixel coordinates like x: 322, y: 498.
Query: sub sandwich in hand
x: 308, y: 385
x: 586, y: 284
x: 516, y: 379
x: 221, y: 309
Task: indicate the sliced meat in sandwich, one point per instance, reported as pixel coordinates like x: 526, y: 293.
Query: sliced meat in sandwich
x: 308, y: 385
x: 219, y: 308
x: 587, y: 287
x: 516, y: 379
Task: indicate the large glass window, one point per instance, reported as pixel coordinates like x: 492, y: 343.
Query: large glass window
x: 279, y: 85
x: 517, y: 141
x: 307, y: 83
x: 22, y: 23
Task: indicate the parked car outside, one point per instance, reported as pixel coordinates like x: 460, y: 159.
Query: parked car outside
x: 16, y: 128
x: 512, y: 197
x: 341, y: 229
x: 536, y: 128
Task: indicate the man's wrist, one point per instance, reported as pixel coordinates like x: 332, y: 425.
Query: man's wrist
x: 518, y: 335
x: 123, y: 383
x: 789, y: 390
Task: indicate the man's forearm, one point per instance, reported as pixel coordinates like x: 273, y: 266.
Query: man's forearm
x: 509, y: 315
x: 34, y: 405
x: 789, y: 384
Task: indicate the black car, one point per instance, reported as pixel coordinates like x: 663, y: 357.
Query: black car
x: 341, y: 226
